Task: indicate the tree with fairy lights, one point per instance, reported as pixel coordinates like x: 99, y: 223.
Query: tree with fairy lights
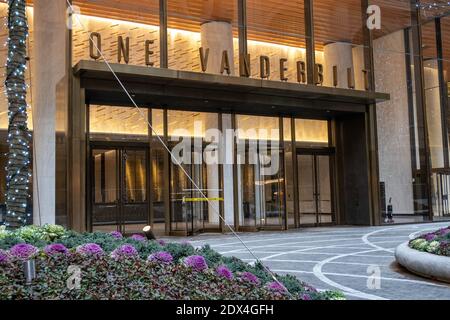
x: 18, y: 170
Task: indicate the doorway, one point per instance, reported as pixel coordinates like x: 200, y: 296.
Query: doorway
x: 192, y: 213
x: 119, y: 189
x: 315, y: 172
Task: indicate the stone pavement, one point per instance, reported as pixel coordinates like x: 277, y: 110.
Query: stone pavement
x: 349, y: 259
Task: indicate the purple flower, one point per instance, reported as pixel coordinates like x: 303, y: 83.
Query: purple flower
x: 162, y: 242
x: 125, y: 251
x: 3, y: 257
x: 56, y: 248
x: 305, y: 297
x: 138, y: 237
x: 90, y: 249
x: 250, y: 277
x: 276, y: 287
x: 224, y: 272
x: 430, y: 236
x: 309, y: 288
x: 444, y: 231
x: 116, y: 235
x: 198, y: 263
x: 23, y: 251
x: 161, y: 256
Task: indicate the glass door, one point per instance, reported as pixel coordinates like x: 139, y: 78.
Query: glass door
x: 314, y: 187
x: 119, y: 189
x: 105, y: 192
x: 134, y: 202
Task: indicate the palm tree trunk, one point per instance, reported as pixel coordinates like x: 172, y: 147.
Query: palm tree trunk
x: 18, y: 167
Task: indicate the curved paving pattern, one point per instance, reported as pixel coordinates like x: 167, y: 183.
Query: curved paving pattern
x: 356, y: 260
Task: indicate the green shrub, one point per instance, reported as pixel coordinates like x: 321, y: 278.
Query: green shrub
x: 437, y: 242
x: 179, y: 251
x: 212, y: 257
x: 109, y: 275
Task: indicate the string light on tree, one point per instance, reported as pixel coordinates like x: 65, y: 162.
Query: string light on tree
x: 434, y: 9
x: 18, y: 170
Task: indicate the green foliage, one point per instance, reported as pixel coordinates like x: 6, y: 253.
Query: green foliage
x: 136, y: 279
x: 437, y: 242
x: 179, y: 251
x: 106, y: 279
x: 213, y: 258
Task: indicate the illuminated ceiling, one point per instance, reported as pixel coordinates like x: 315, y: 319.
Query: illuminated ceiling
x: 275, y: 21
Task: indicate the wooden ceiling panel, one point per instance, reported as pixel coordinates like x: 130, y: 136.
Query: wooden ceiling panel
x: 276, y: 21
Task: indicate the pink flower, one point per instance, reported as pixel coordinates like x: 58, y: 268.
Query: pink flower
x: 138, y: 237
x: 23, y: 251
x: 276, y: 287
x: 3, y: 257
x: 125, y: 251
x: 224, y: 272
x: 90, y: 250
x: 198, y: 263
x: 306, y: 297
x: 116, y: 235
x: 250, y: 277
x: 56, y: 248
x: 162, y: 256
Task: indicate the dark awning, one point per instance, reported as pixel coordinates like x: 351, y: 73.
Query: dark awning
x: 207, y: 92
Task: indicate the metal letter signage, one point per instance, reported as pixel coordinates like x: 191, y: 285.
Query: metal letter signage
x: 204, y: 55
x: 95, y: 53
x: 123, y: 49
x: 148, y: 53
x: 264, y: 66
x: 123, y: 54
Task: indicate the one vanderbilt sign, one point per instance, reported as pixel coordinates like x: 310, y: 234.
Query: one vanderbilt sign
x: 265, y: 63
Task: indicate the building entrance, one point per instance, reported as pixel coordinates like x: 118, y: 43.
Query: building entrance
x: 118, y: 184
x: 314, y: 187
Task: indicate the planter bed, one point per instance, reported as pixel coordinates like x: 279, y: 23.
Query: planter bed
x: 76, y: 266
x: 427, y: 255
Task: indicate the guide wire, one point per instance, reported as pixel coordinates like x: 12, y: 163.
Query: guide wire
x: 174, y: 159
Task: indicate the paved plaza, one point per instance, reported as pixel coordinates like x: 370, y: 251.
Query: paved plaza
x: 350, y: 259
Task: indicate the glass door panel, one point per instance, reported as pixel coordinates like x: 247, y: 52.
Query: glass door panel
x: 134, y: 202
x: 119, y: 189
x: 307, y: 190
x: 325, y: 207
x: 314, y: 185
x: 180, y: 210
x: 105, y: 186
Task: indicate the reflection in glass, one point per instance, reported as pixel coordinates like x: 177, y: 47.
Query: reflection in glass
x: 135, y: 176
x: 289, y: 171
x: 159, y: 181
x: 260, y: 172
x: 106, y: 190
x: 311, y: 132
x: 119, y: 185
x: 190, y: 211
x: 109, y: 123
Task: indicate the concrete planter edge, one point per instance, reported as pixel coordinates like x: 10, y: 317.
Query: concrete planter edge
x: 423, y: 263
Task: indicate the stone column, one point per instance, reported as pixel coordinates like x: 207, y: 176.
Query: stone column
x: 217, y: 36
x: 358, y: 67
x: 394, y: 146
x: 49, y: 69
x: 434, y: 119
x: 337, y: 54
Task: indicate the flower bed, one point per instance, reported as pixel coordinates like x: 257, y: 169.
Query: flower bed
x: 437, y: 242
x: 115, y: 267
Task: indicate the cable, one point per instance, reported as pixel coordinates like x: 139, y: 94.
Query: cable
x: 174, y: 159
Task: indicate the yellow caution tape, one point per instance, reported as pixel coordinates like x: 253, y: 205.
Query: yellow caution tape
x: 201, y: 199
